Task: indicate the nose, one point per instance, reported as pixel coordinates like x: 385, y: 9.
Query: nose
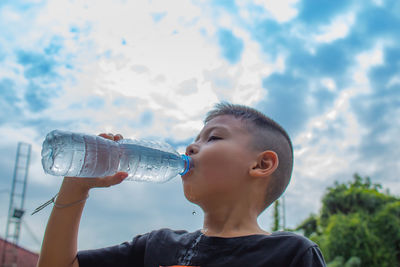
x: 192, y: 149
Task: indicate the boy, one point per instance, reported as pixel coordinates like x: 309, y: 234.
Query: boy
x: 242, y: 163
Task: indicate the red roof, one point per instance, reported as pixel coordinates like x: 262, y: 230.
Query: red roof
x: 24, y: 257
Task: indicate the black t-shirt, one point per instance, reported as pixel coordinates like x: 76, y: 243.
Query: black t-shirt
x: 166, y: 247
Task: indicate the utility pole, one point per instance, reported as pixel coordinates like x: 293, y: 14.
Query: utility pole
x: 16, y: 206
x: 279, y: 215
x: 283, y: 213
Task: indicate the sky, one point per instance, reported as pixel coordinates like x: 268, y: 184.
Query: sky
x: 327, y: 71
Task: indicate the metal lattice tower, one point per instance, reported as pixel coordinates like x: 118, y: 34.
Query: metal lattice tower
x: 16, y: 206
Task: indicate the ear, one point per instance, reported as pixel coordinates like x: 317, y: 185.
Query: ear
x: 266, y: 164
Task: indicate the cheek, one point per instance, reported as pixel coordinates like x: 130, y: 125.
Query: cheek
x: 222, y: 163
x: 213, y: 161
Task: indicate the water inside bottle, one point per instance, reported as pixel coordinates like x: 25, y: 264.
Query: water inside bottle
x: 74, y: 154
x: 62, y: 154
x: 145, y: 163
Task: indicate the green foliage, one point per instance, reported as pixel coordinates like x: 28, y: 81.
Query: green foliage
x: 309, y: 225
x: 358, y: 196
x: 349, y: 235
x: 339, y: 262
x: 353, y: 262
x: 386, y: 224
x: 276, y: 216
x: 358, y: 225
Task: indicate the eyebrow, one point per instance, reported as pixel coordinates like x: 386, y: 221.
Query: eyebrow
x: 207, y: 131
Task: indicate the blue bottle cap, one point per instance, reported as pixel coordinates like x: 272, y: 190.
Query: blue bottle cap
x: 187, y: 160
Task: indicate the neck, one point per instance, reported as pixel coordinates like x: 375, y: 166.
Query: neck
x: 232, y: 221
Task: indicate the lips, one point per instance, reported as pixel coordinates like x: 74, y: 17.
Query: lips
x: 191, y: 167
x: 191, y: 164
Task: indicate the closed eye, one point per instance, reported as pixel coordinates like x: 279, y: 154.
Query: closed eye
x: 213, y: 138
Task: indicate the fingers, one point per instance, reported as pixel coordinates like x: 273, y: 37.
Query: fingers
x: 94, y: 182
x: 103, y: 181
x: 111, y: 180
x: 118, y: 137
x: 111, y: 136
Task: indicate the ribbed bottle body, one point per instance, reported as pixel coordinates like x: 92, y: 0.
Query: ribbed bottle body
x: 80, y: 155
x: 149, y: 161
x: 74, y: 154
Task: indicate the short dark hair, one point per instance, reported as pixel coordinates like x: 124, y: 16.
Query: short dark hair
x: 267, y: 135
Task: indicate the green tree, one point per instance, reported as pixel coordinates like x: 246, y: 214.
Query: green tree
x: 357, y: 226
x: 309, y: 225
x: 386, y: 224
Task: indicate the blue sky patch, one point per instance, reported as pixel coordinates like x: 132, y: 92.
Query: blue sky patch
x: 328, y: 60
x: 37, y: 97
x: 146, y: 119
x: 55, y: 46
x: 74, y: 29
x: 231, y: 46
x: 228, y: 5
x: 36, y: 65
x: 381, y: 75
x: 157, y: 17
x: 95, y: 102
x: 286, y: 101
x: 321, y: 11
x: 7, y: 91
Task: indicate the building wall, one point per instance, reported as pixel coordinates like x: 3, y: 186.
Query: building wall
x: 25, y: 258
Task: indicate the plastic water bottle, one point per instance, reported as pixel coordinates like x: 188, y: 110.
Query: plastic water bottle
x: 80, y: 155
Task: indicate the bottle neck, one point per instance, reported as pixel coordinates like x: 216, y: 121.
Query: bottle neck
x: 187, y: 160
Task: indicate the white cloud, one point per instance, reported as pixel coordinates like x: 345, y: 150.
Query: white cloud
x: 370, y: 58
x: 329, y: 148
x: 395, y: 80
x: 366, y: 60
x: 172, y: 70
x: 339, y: 28
x: 378, y: 2
x: 340, y: 118
x: 325, y: 153
x: 170, y: 53
x: 281, y: 10
x: 329, y: 84
x: 10, y: 14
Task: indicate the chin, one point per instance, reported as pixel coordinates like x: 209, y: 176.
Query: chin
x: 190, y: 197
x: 190, y: 194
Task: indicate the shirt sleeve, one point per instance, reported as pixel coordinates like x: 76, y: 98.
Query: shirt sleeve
x: 126, y: 254
x: 312, y: 257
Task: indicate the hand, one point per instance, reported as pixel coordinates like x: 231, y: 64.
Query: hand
x: 59, y: 246
x: 107, y: 181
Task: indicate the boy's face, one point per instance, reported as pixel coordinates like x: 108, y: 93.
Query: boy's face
x: 222, y: 158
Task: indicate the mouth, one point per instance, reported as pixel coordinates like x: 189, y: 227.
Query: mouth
x: 191, y: 164
x: 186, y: 175
x: 191, y: 168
